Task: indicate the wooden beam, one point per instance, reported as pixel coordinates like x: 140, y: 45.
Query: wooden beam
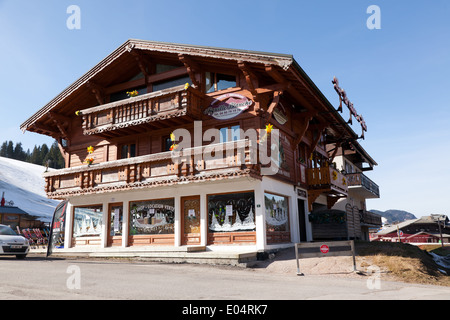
x: 278, y: 77
x: 317, y: 139
x: 192, y: 68
x: 273, y: 104
x: 97, y: 90
x: 141, y: 61
x: 250, y: 78
x: 304, y: 126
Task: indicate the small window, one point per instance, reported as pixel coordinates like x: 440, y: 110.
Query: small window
x: 167, y: 143
x: 171, y: 83
x: 128, y: 151
x: 116, y: 96
x: 230, y: 133
x: 218, y: 81
x: 160, y: 68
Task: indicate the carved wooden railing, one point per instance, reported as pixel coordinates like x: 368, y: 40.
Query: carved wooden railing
x: 326, y: 178
x: 233, y: 159
x: 173, y: 102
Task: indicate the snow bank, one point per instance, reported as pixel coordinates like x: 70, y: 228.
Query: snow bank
x: 23, y: 184
x: 441, y: 261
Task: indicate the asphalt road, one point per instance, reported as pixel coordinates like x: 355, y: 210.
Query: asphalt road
x: 93, y: 279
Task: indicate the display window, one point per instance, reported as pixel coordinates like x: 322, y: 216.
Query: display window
x: 152, y: 217
x: 231, y: 212
x: 87, y: 221
x: 277, y: 217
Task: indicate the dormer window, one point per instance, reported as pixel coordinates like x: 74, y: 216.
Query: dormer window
x: 218, y: 81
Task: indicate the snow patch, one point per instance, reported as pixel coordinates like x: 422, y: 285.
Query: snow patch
x: 441, y: 261
x: 23, y: 184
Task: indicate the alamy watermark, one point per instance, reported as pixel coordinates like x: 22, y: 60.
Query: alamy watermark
x: 73, y: 22
x: 374, y: 20
x: 74, y: 280
x: 374, y: 280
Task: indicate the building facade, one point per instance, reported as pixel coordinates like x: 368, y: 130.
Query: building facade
x: 181, y: 145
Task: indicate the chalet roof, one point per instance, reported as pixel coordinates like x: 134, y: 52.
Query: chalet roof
x: 11, y: 210
x: 393, y: 228
x: 422, y: 220
x: 436, y: 235
x: 106, y: 72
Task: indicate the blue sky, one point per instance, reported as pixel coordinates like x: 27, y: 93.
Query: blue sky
x: 397, y: 76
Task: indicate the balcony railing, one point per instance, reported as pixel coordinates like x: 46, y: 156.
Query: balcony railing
x: 370, y: 218
x: 361, y: 180
x: 147, y: 108
x: 326, y: 178
x: 231, y: 159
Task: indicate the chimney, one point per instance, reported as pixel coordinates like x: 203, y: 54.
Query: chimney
x: 2, y: 203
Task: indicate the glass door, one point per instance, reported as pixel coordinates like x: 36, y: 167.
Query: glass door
x: 115, y: 220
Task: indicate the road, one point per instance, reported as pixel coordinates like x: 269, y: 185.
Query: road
x: 93, y: 279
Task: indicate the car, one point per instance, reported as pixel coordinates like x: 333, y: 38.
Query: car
x: 13, y: 244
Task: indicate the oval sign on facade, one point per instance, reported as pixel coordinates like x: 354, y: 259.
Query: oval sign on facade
x: 228, y: 106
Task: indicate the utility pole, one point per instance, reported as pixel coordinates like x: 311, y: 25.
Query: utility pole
x: 440, y: 231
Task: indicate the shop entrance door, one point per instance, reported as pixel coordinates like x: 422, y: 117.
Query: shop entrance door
x: 190, y: 220
x: 115, y: 218
x: 301, y: 219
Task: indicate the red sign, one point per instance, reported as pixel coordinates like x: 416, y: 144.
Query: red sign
x: 324, y: 248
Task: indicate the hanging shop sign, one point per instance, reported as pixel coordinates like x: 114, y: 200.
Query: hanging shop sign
x: 353, y: 113
x: 228, y: 106
x: 279, y: 114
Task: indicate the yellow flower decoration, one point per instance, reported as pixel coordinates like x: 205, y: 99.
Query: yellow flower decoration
x: 186, y: 85
x: 133, y: 93
x: 78, y: 112
x: 172, y: 137
x: 90, y: 149
x: 269, y: 128
x: 344, y: 182
x: 335, y: 175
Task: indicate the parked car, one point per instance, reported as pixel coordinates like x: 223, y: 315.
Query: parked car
x: 13, y: 244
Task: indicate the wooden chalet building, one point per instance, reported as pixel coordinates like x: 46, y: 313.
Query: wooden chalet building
x: 124, y: 115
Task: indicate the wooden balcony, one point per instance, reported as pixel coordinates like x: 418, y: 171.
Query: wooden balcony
x: 361, y: 184
x: 234, y: 159
x: 326, y: 178
x: 326, y: 181
x: 138, y: 114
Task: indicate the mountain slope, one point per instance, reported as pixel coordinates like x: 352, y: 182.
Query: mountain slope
x: 395, y: 215
x: 23, y: 184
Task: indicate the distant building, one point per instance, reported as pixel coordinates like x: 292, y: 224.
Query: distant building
x: 15, y: 217
x: 426, y: 229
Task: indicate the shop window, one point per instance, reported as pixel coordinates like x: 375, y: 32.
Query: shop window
x: 230, y: 133
x: 171, y: 83
x: 231, y: 212
x: 87, y: 221
x: 277, y: 217
x: 127, y: 151
x: 152, y: 217
x: 217, y: 81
